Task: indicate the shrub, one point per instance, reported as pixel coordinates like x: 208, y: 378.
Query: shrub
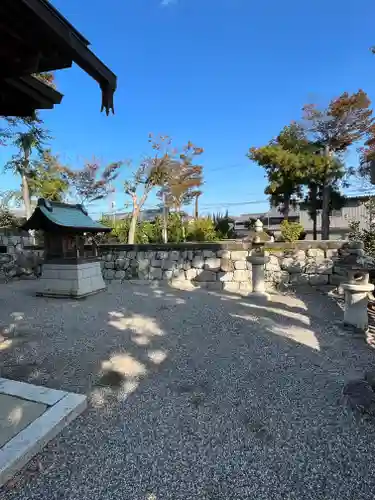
x: 224, y: 226
x: 145, y: 232
x: 366, y: 236
x: 290, y: 231
x: 120, y: 231
x: 175, y: 227
x: 201, y: 229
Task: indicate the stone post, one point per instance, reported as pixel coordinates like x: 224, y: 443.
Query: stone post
x: 258, y: 261
x: 356, y: 300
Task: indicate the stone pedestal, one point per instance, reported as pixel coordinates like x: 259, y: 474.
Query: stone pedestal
x: 258, y: 262
x: 356, y: 301
x: 71, y: 280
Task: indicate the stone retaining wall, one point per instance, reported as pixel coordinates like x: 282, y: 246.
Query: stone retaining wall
x: 222, y: 266
x: 214, y: 269
x: 13, y: 241
x: 218, y: 266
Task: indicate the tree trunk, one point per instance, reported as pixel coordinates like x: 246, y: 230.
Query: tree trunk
x: 325, y: 210
x: 196, y: 211
x: 313, y: 212
x: 26, y: 196
x: 314, y: 221
x: 133, y: 226
x: 286, y: 206
x: 165, y: 222
x: 183, y: 232
x: 326, y: 198
x: 25, y: 186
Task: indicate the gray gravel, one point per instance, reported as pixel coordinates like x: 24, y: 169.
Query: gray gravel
x: 193, y: 395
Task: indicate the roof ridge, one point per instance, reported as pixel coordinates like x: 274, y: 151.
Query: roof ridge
x: 60, y: 204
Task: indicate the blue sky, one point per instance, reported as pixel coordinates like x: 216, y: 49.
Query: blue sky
x: 226, y: 74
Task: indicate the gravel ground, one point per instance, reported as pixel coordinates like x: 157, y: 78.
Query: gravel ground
x: 192, y: 396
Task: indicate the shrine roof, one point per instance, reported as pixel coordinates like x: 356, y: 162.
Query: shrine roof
x: 52, y: 216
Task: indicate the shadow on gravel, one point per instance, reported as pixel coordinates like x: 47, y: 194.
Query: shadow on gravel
x: 195, y: 394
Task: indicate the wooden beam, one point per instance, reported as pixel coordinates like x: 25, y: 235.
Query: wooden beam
x: 22, y: 96
x: 37, y: 90
x: 72, y: 40
x: 58, y: 23
x: 26, y: 67
x: 26, y: 45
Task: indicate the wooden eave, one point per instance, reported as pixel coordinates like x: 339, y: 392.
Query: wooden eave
x: 21, y: 96
x: 72, y: 41
x: 35, y: 38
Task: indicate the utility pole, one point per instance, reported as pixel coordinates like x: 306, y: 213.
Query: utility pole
x: 113, y: 207
x: 196, y: 213
x: 112, y: 203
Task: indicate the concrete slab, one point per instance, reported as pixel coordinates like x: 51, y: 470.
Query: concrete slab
x: 16, y: 414
x: 31, y: 392
x: 28, y: 423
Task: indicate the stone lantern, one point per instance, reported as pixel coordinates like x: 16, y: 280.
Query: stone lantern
x: 258, y: 260
x: 356, y: 292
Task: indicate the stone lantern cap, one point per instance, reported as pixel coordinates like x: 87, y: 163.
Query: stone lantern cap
x: 257, y: 235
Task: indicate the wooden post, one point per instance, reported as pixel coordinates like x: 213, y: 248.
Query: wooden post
x: 77, y: 246
x: 94, y: 247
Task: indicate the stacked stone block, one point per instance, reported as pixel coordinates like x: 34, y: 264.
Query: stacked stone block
x: 212, y: 269
x: 13, y: 243
x: 225, y: 266
x: 312, y: 266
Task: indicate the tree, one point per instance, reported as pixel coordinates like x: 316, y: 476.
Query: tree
x: 311, y: 202
x: 48, y: 179
x: 6, y: 217
x: 159, y: 169
x: 366, y: 168
x: 182, y: 179
x: 314, y: 182
x: 293, y: 162
x: 346, y: 120
x: 26, y: 141
x: 151, y: 172
x: 180, y: 183
x: 92, y: 183
x: 13, y: 123
x: 284, y: 161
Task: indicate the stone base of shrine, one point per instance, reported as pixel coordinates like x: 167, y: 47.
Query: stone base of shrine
x: 69, y: 280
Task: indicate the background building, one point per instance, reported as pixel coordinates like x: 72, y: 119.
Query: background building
x: 353, y: 210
